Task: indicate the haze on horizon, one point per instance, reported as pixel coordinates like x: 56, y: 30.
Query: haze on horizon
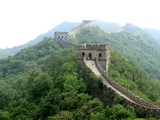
x: 22, y: 21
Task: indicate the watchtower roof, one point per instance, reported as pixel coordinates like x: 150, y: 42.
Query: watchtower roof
x: 60, y: 33
x: 101, y: 47
x: 87, y: 21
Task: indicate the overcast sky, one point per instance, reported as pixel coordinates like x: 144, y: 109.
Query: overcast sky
x: 23, y: 20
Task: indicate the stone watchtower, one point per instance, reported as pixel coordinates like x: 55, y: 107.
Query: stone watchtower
x: 60, y: 35
x: 91, y: 52
x: 87, y: 23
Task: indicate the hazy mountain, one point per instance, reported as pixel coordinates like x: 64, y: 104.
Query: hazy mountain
x: 154, y: 32
x: 106, y: 25
x: 65, y: 26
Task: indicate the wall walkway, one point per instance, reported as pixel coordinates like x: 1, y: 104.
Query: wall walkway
x: 128, y: 96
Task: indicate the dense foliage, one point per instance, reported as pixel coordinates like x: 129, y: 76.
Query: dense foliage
x: 46, y: 82
x: 130, y: 75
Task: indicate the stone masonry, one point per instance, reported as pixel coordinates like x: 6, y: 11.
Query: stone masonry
x: 93, y: 52
x: 61, y: 35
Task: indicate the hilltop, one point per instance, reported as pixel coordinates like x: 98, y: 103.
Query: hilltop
x: 45, y: 81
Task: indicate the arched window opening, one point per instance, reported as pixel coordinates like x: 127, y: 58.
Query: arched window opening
x: 90, y: 56
x: 100, y: 54
x: 83, y: 53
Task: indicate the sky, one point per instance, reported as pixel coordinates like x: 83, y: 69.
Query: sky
x: 23, y: 20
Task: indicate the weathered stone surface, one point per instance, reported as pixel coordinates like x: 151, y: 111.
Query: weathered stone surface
x: 91, y: 52
x: 60, y: 35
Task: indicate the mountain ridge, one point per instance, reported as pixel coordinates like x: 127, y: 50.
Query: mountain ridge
x: 65, y: 26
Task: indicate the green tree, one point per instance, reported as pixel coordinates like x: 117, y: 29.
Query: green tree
x: 119, y: 112
x: 63, y: 115
x: 40, y: 86
x: 4, y: 115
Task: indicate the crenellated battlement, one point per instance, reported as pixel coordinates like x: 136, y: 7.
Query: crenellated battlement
x: 92, y: 52
x: 100, y: 47
x: 85, y: 23
x: 61, y: 35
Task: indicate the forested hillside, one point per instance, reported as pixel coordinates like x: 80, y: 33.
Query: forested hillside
x: 132, y: 42
x: 46, y: 82
x: 131, y: 76
x: 154, y: 32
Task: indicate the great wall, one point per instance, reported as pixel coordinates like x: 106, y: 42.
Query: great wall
x: 96, y: 58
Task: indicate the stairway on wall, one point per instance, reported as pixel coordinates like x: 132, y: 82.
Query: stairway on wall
x: 127, y: 95
x: 92, y: 66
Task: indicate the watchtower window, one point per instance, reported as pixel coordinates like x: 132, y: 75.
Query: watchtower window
x: 100, y: 54
x: 62, y: 36
x: 90, y: 56
x: 83, y: 53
